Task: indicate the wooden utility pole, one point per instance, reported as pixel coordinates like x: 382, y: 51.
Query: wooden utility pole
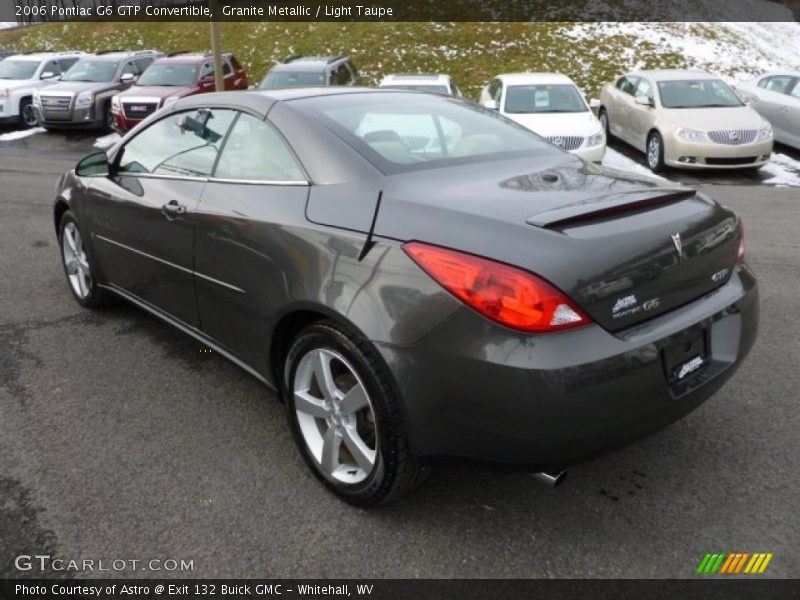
x: 216, y: 50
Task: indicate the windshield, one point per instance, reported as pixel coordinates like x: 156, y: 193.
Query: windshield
x: 286, y: 79
x: 697, y: 93
x: 18, y: 69
x: 91, y: 70
x: 544, y: 98
x: 169, y: 74
x: 418, y: 87
x: 405, y: 132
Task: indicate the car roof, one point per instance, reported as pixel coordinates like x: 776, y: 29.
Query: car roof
x: 422, y: 78
x: 307, y: 63
x: 189, y: 57
x: 260, y: 101
x: 117, y: 55
x: 37, y: 56
x: 786, y: 72
x: 673, y: 74
x: 531, y: 78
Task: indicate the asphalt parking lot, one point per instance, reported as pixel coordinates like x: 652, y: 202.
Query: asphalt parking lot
x: 121, y: 439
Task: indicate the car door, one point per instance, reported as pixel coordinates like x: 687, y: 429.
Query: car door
x: 792, y: 115
x: 142, y: 217
x: 771, y: 98
x: 642, y: 117
x: 619, y: 108
x: 243, y: 244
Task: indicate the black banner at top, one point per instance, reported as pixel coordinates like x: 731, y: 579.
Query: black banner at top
x: 33, y: 11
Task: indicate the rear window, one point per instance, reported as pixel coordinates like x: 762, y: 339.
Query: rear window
x: 288, y: 79
x: 405, y: 132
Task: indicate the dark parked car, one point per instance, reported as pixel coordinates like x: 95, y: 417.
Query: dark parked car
x: 307, y: 71
x: 478, y: 294
x: 170, y: 78
x: 82, y: 98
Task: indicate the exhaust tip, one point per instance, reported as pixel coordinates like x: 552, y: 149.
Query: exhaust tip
x: 551, y: 479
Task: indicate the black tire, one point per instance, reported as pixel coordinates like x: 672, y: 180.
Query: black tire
x: 602, y: 115
x: 27, y: 116
x: 396, y: 471
x: 655, y: 160
x: 108, y: 119
x: 97, y: 297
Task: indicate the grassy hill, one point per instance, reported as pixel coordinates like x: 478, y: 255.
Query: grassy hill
x: 472, y: 52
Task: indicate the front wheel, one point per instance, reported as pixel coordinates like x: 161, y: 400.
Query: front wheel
x: 346, y: 418
x: 27, y: 116
x: 79, y: 266
x: 655, y: 152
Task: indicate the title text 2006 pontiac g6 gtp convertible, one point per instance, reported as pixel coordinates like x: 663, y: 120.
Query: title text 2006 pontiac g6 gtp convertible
x: 418, y: 276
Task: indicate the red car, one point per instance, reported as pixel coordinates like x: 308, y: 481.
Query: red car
x: 167, y: 79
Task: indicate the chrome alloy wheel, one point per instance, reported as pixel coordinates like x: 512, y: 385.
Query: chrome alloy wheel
x: 653, y: 152
x: 76, y: 261
x: 335, y: 416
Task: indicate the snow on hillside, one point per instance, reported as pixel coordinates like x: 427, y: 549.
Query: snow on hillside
x: 735, y: 51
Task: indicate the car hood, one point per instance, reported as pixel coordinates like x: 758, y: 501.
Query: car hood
x: 16, y: 83
x: 80, y: 86
x: 558, y: 124
x: 706, y: 119
x: 603, y: 237
x: 156, y: 91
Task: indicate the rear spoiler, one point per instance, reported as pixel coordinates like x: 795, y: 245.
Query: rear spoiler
x: 610, y: 206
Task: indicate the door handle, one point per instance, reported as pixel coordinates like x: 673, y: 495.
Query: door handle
x: 173, y: 209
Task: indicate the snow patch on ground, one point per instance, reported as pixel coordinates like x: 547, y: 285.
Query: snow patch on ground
x: 18, y: 135
x: 783, y: 171
x: 620, y: 162
x: 107, y: 141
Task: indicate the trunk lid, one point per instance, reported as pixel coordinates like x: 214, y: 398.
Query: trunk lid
x: 624, y: 248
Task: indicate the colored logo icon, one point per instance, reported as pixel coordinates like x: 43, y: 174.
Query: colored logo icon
x: 734, y: 563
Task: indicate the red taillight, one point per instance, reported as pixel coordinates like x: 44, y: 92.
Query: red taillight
x: 505, y: 294
x: 740, y: 249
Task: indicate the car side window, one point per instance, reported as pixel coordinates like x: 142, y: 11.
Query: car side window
x: 208, y: 69
x: 130, y: 67
x: 166, y: 148
x: 255, y: 151
x: 644, y: 89
x: 53, y: 67
x: 495, y: 88
x: 341, y: 76
x: 796, y: 90
x: 143, y: 63
x: 778, y: 83
x: 226, y: 68
x: 627, y: 85
x: 66, y: 63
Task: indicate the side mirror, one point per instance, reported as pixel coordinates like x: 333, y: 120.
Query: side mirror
x: 207, y: 80
x: 94, y: 165
x: 594, y: 103
x: 127, y: 77
x: 47, y: 75
x: 644, y: 101
x: 491, y: 104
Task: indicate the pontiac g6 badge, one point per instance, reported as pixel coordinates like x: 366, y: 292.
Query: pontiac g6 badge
x: 676, y: 241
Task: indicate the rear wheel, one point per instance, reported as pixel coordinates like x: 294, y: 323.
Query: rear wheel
x: 655, y: 152
x: 27, y: 116
x: 79, y: 265
x: 346, y: 418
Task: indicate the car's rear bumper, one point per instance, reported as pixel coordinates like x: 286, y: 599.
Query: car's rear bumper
x: 474, y: 390
x: 690, y: 155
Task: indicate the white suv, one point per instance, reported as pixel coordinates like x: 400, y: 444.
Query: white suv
x: 21, y: 74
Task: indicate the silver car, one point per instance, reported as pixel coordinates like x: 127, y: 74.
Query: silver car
x: 776, y: 97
